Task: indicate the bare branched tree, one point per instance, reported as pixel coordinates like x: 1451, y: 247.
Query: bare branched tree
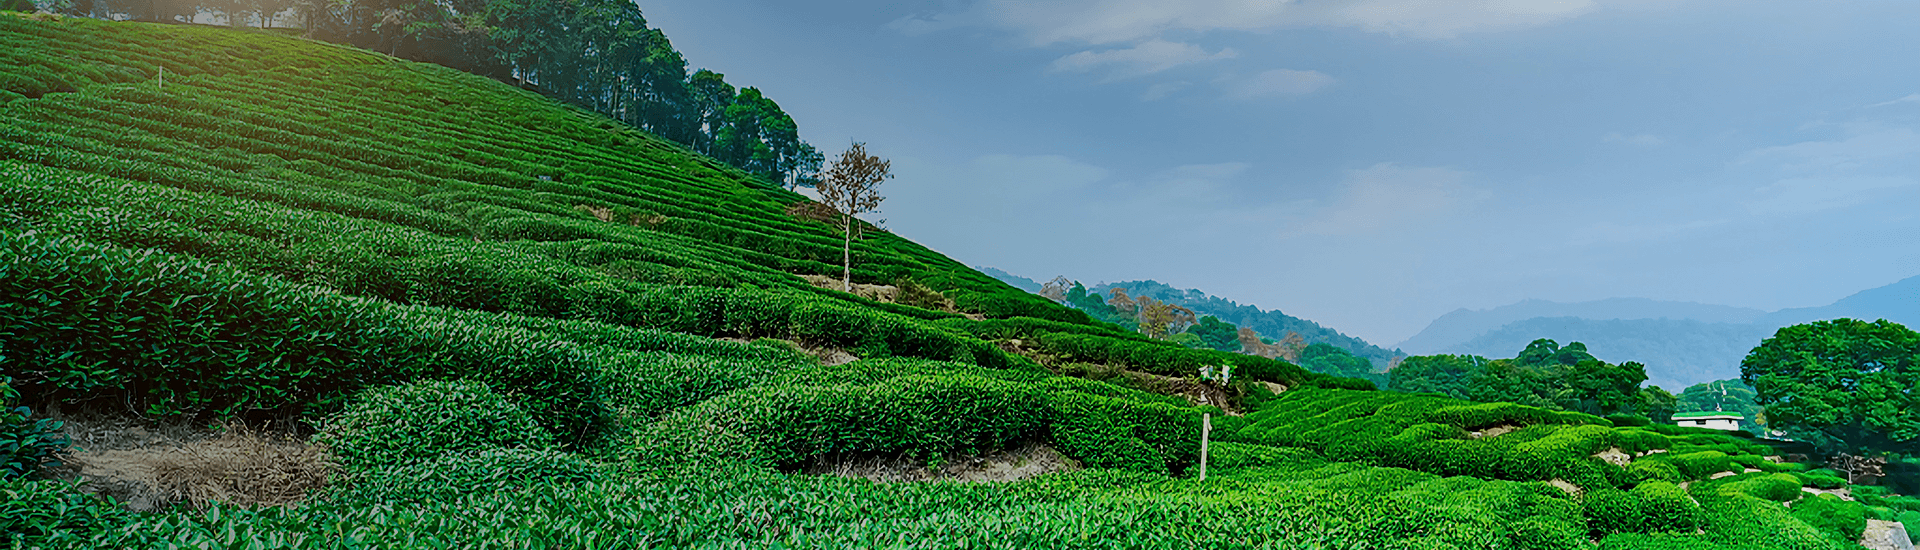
x: 1056, y: 289
x: 850, y: 186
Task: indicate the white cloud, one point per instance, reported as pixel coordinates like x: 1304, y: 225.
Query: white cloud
x: 1608, y: 231
x: 1910, y: 98
x: 1806, y: 195
x: 1387, y: 195
x: 1163, y: 89
x: 1643, y: 140
x: 1121, y: 21
x: 1143, y: 59
x: 1277, y: 82
x: 1857, y: 151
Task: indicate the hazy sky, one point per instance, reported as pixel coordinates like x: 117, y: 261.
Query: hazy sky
x: 1369, y: 164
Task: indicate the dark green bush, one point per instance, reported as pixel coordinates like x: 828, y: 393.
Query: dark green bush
x: 1628, y: 420
x: 27, y: 446
x: 53, y: 514
x: 398, y: 425
x: 452, y: 475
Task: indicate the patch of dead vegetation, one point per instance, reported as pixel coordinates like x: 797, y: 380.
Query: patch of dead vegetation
x: 149, y: 466
x: 877, y: 293
x: 1614, y: 456
x: 1021, y: 462
x: 1494, y: 431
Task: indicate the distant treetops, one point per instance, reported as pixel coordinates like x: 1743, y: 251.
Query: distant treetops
x: 1545, y: 374
x: 596, y: 54
x: 1181, y: 325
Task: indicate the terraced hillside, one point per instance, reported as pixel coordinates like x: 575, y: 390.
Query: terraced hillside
x: 511, y: 323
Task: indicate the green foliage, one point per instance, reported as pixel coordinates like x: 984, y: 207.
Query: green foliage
x: 1542, y: 375
x: 403, y: 424
x: 1651, y: 507
x: 1217, y: 334
x: 455, y: 474
x: 1848, y: 380
x: 925, y: 410
x: 1332, y: 361
x: 27, y: 446
x: 42, y: 513
x: 1821, y: 478
x: 1839, y: 519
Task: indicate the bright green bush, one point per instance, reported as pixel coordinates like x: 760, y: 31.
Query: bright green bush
x: 1638, y: 541
x: 1700, y: 465
x: 1633, y: 441
x: 1839, y: 519
x: 398, y: 425
x: 1821, y: 478
x: 1651, y: 507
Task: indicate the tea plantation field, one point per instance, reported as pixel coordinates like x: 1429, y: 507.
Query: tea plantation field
x: 517, y: 324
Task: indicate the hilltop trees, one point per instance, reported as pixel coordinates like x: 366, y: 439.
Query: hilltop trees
x: 850, y: 186
x: 1543, y: 375
x: 1850, y: 382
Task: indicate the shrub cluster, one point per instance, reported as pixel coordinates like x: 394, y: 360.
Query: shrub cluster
x: 422, y: 420
x: 27, y: 446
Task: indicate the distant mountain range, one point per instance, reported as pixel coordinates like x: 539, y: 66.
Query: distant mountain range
x: 1269, y: 323
x: 1681, y: 343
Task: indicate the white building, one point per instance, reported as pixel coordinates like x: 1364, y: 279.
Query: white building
x: 1712, y: 420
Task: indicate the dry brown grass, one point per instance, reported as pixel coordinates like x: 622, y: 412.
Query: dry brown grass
x: 243, y: 467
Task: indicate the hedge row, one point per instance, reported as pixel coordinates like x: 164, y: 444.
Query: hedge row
x: 921, y: 409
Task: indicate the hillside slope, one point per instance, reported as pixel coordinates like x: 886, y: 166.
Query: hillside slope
x: 516, y: 324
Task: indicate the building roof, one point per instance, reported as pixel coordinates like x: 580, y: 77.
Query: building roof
x: 1708, y: 414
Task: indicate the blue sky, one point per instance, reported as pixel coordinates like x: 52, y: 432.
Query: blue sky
x: 1369, y: 164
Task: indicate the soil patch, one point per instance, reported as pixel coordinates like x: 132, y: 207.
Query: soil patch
x: 1021, y: 462
x: 1614, y: 456
x: 1495, y: 431
x: 878, y: 293
x: 148, y: 465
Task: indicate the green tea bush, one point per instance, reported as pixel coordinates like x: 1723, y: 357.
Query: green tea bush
x: 1821, y: 478
x: 1733, y: 517
x: 1839, y: 519
x: 1638, y: 541
x: 453, y: 475
x: 27, y: 446
x: 1632, y: 441
x: 1651, y: 507
x: 53, y: 513
x: 923, y: 409
x: 403, y: 424
x: 1700, y: 465
x: 1654, y: 470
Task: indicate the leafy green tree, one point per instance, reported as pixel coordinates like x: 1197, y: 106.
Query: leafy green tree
x: 1216, y: 334
x: 1544, y: 374
x: 1849, y: 380
x: 1443, y: 374
x: 1332, y: 360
